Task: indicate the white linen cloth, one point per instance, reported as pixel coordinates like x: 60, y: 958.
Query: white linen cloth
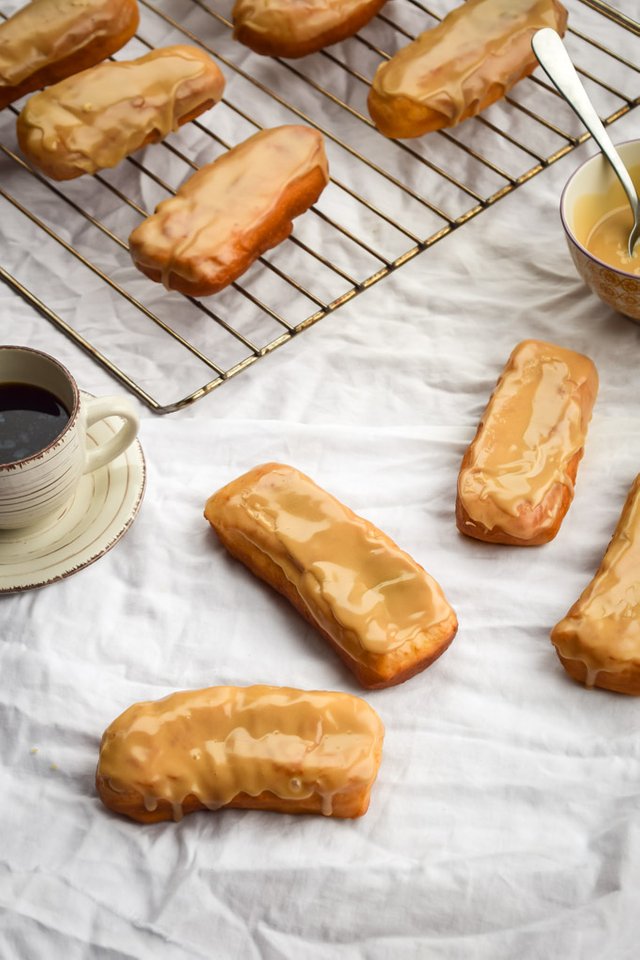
x: 505, y: 821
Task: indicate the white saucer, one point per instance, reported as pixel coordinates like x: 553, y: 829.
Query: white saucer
x: 101, y: 511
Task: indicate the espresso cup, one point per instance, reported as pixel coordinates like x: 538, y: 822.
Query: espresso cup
x: 42, y: 482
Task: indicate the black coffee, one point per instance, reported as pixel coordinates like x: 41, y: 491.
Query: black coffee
x: 30, y: 419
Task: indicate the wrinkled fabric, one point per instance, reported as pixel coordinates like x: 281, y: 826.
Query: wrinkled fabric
x: 505, y: 821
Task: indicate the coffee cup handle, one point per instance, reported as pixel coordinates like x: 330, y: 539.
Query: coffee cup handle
x: 97, y: 409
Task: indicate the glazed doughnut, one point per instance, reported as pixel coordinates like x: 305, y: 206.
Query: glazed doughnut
x: 598, y: 642
x: 380, y: 611
x: 294, y: 28
x: 48, y: 40
x: 453, y: 71
x: 93, y: 120
x: 517, y: 477
x: 228, y: 213
x: 260, y: 748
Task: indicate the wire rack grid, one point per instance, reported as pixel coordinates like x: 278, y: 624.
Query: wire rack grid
x: 387, y: 201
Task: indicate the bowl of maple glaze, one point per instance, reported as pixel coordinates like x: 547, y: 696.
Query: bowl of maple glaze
x: 597, y: 220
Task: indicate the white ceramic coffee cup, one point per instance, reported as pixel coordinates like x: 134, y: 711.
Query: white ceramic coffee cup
x: 32, y: 488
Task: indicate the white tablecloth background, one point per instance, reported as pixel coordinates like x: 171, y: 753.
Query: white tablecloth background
x: 505, y: 821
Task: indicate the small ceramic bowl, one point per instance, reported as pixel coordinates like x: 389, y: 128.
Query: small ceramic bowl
x: 591, y: 191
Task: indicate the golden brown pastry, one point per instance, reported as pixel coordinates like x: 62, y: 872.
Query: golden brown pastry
x: 294, y: 28
x: 93, y: 120
x: 516, y: 479
x: 598, y: 641
x: 380, y: 611
x: 260, y: 748
x: 466, y: 63
x: 48, y: 40
x: 228, y: 213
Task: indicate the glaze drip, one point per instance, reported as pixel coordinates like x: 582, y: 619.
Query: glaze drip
x: 45, y: 31
x: 94, y: 119
x: 195, y: 233
x: 345, y: 570
x: 299, y: 21
x: 480, y: 45
x: 216, y: 743
x: 602, y: 629
x: 533, y: 427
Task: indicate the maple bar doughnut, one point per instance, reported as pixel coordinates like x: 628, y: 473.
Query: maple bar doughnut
x: 598, y: 642
x: 93, y: 120
x: 48, y: 40
x: 453, y: 71
x: 228, y: 213
x: 380, y: 611
x: 260, y: 748
x: 517, y: 477
x: 294, y: 28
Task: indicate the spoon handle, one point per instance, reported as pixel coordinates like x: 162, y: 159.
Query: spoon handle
x: 556, y: 63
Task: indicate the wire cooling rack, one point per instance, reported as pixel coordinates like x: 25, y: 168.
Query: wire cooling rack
x: 386, y: 202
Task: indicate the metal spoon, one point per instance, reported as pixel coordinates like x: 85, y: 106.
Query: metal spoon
x: 556, y: 63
